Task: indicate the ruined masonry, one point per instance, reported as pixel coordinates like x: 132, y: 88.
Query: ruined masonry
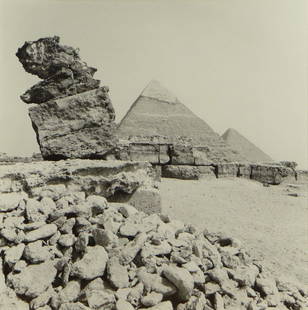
x: 160, y: 129
x: 64, y: 247
x: 73, y: 116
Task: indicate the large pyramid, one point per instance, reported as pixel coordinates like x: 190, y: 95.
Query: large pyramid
x: 157, y: 112
x: 245, y: 147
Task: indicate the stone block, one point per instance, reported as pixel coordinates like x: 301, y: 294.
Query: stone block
x: 182, y: 172
x: 271, y: 174
x: 79, y: 126
x: 182, y: 154
x: 200, y: 154
x: 226, y: 170
x: 164, y: 157
x: 144, y: 152
x: 207, y: 172
x: 244, y: 171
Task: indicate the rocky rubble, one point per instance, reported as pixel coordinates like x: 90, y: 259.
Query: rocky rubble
x: 90, y: 254
x: 74, y: 116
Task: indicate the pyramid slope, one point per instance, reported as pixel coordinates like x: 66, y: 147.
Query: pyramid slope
x: 245, y: 147
x: 157, y: 112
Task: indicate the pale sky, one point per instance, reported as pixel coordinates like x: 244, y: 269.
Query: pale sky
x: 235, y: 63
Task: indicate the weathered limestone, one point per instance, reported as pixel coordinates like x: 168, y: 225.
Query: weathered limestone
x: 74, y: 117
x: 227, y: 170
x: 131, y: 182
x: 270, y: 174
x: 181, y: 172
x: 79, y: 126
x: 124, y: 259
x: 60, y: 66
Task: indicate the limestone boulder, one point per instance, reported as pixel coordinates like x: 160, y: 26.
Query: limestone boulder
x: 227, y: 170
x: 78, y: 126
x: 181, y: 172
x: 33, y: 280
x: 92, y: 265
x: 271, y: 174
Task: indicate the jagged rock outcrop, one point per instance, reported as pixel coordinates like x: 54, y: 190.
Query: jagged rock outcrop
x: 61, y: 68
x: 74, y: 117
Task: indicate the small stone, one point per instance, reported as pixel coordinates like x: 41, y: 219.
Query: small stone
x: 33, y: 280
x: 152, y: 250
x: 151, y: 299
x: 42, y: 300
x: 36, y: 253
x: 122, y: 293
x: 34, y: 211
x: 67, y: 240
x: 46, y: 307
x: 92, y: 264
x: 165, y: 305
x: 13, y: 254
x: 97, y: 204
x: 54, y: 238
x: 129, y: 252
x: 74, y: 306
x: 67, y: 227
x: 123, y: 305
x: 218, y: 302
x: 135, y: 294
x: 47, y: 206
x: 82, y: 242
x: 10, y: 201
x: 41, y: 233
x: 129, y: 229
x: 13, y: 222
x: 105, y: 238
x: 70, y: 292
x: 33, y: 225
x: 266, y: 285
x: 211, y: 288
x: 156, y: 283
x: 9, y: 234
x: 100, y: 299
x: 127, y: 210
x: 117, y: 274
x: 82, y: 225
x: 19, y: 266
x: 182, y: 279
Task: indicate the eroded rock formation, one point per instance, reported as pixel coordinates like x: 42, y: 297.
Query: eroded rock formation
x: 60, y: 67
x: 74, y: 117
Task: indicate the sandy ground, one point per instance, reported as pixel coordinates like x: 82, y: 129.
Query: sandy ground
x: 272, y: 225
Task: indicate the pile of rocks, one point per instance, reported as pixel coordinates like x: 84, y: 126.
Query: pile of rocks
x: 74, y: 117
x: 69, y: 251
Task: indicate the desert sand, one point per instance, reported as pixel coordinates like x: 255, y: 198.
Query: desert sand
x: 272, y: 225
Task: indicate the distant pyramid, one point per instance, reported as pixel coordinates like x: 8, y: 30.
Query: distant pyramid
x: 245, y: 147
x: 157, y: 112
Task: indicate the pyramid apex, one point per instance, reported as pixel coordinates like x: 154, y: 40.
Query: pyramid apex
x: 155, y: 90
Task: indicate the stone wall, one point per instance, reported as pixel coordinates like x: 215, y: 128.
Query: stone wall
x: 182, y: 160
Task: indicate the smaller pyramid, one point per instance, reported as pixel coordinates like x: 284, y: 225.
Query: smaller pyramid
x: 245, y: 147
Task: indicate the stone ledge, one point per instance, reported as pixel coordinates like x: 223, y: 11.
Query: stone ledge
x: 111, y: 179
